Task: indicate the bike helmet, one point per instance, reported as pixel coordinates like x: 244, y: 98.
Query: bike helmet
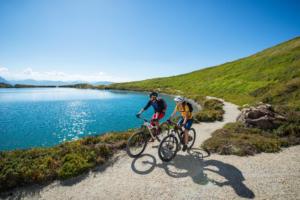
x: 179, y: 99
x: 153, y: 94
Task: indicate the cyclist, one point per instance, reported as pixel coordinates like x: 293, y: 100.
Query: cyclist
x: 186, y: 119
x: 159, y: 106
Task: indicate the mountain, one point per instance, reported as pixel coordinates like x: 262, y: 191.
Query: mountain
x: 272, y: 75
x: 42, y: 82
x: 55, y: 83
x: 101, y: 83
x: 2, y: 80
x: 4, y: 83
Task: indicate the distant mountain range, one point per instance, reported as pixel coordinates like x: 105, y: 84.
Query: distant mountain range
x: 46, y: 82
x: 2, y: 80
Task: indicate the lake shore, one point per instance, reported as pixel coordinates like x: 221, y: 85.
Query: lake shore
x: 264, y: 176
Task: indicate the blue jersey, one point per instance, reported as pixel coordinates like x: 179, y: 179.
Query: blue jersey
x: 159, y: 105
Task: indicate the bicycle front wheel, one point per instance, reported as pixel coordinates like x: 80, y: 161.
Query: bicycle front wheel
x: 164, y: 131
x: 136, y: 144
x: 168, y: 148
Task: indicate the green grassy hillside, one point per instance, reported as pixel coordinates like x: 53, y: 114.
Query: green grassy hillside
x: 272, y: 76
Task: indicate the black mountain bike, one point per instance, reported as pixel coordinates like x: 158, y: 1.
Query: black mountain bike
x: 137, y: 143
x: 171, y: 144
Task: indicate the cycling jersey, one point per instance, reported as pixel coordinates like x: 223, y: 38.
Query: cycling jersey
x: 159, y: 105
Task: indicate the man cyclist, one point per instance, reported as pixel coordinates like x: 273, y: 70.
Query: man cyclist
x: 186, y: 119
x: 159, y: 105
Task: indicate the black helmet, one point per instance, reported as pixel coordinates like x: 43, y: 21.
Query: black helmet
x: 153, y: 94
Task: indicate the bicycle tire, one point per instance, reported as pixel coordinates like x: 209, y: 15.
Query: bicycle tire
x: 161, y: 148
x: 140, y: 135
x: 194, y: 137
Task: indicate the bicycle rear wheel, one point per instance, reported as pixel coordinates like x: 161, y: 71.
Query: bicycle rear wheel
x: 192, y: 138
x: 168, y: 148
x: 136, y: 144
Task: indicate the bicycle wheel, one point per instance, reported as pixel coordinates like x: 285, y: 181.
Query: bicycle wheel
x: 136, y: 144
x: 168, y: 148
x: 192, y: 138
x: 164, y: 131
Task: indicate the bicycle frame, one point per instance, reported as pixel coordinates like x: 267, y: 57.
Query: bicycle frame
x: 177, y: 129
x: 149, y: 126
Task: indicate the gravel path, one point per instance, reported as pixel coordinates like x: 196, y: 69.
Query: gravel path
x: 192, y: 175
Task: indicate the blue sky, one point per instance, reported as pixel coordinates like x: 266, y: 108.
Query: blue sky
x: 124, y: 40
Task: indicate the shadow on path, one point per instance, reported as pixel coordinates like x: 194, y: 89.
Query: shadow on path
x: 195, y: 166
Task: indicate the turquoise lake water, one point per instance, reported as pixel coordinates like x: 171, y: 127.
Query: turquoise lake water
x: 38, y: 117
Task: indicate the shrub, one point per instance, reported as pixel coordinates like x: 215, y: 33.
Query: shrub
x: 213, y: 104
x: 237, y: 139
x: 212, y: 111
x: 209, y: 115
x: 73, y: 165
x: 66, y: 160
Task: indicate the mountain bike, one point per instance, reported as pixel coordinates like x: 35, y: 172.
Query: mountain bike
x: 171, y: 144
x: 137, y: 143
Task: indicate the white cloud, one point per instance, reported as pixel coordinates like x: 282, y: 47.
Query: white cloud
x: 29, y: 73
x: 3, y: 70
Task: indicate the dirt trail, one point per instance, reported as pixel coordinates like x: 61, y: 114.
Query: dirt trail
x: 189, y: 176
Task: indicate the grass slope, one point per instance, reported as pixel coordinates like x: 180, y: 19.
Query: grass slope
x: 272, y: 75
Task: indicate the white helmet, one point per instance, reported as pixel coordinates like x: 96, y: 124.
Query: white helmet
x: 179, y: 99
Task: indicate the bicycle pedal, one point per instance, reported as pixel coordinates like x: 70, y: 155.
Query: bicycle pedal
x: 179, y: 148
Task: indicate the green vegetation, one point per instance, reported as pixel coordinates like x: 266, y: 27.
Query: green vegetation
x: 235, y: 138
x: 33, y: 86
x: 270, y: 76
x: 80, y: 86
x: 5, y: 85
x: 212, y: 111
x: 63, y: 161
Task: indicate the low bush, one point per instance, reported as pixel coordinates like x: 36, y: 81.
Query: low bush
x: 213, y: 104
x: 289, y: 132
x: 66, y: 160
x: 236, y: 139
x: 209, y: 115
x: 212, y: 110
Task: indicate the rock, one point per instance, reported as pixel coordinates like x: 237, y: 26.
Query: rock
x: 262, y: 116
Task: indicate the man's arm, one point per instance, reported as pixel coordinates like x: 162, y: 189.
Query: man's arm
x: 145, y: 108
x: 173, y: 113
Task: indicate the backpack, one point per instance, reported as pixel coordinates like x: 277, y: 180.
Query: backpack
x: 162, y: 104
x: 190, y: 106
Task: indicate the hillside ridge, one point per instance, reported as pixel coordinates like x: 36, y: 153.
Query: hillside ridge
x: 271, y: 75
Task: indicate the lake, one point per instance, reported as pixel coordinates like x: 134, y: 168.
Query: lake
x: 39, y: 117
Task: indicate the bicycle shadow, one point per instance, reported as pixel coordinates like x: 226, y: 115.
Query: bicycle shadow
x: 193, y: 165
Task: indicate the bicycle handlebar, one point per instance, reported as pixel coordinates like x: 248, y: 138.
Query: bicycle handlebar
x: 171, y: 122
x: 139, y: 116
x: 174, y: 123
x: 168, y: 121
